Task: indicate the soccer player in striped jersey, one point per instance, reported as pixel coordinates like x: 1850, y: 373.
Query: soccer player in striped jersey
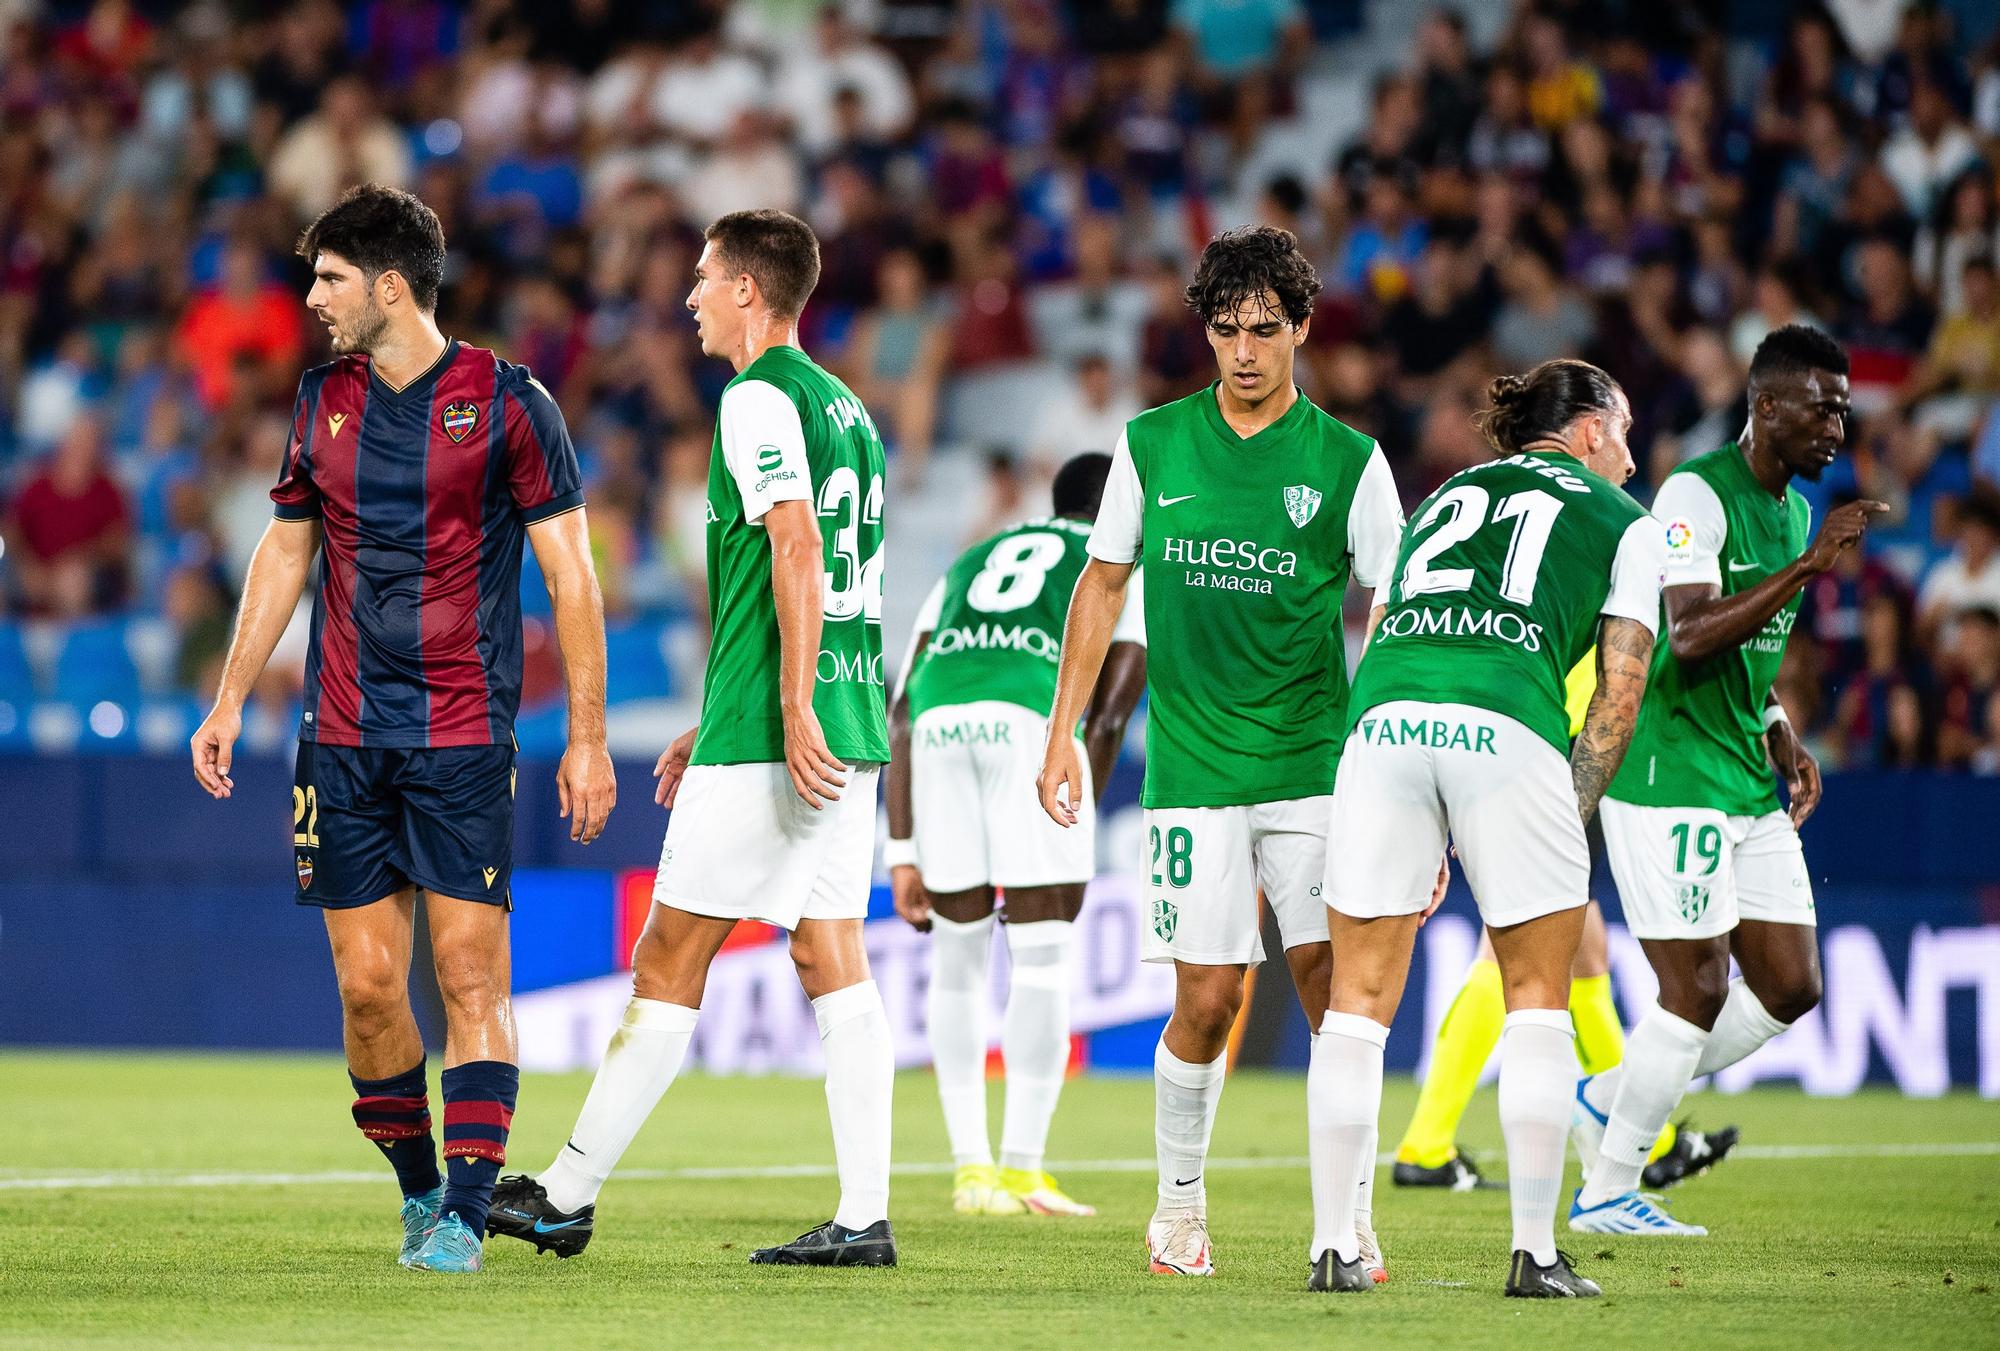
x: 966, y: 732
x: 773, y: 793
x: 415, y: 468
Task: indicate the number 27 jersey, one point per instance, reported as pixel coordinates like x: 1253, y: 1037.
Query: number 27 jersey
x: 788, y: 430
x: 996, y: 619
x: 1498, y: 587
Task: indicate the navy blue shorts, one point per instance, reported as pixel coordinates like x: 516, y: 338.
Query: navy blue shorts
x: 368, y: 822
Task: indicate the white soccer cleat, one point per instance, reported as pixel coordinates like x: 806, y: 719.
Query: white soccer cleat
x: 1586, y: 1127
x: 1632, y: 1213
x: 1371, y: 1252
x: 1177, y: 1243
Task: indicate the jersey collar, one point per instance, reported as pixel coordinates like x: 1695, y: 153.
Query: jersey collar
x: 422, y: 384
x: 1212, y: 413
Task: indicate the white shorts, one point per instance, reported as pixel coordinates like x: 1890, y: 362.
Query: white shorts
x: 741, y: 844
x: 1201, y: 868
x: 978, y: 816
x: 1689, y: 872
x: 1414, y: 773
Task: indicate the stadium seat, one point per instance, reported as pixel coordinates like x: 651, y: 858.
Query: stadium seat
x: 154, y: 647
x: 165, y: 723
x: 17, y: 674
x: 636, y: 662
x: 55, y: 726
x: 94, y: 665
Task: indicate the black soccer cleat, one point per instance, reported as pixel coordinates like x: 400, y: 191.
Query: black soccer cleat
x: 1329, y: 1273
x: 1458, y: 1173
x: 521, y: 1210
x: 1693, y: 1152
x: 1526, y: 1280
x: 832, y: 1246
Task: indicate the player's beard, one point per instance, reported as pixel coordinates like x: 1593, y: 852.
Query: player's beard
x: 366, y: 333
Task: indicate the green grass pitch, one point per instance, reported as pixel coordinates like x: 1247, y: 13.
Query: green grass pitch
x: 1877, y: 1225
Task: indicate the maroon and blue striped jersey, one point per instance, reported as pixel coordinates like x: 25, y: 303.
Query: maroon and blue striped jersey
x: 424, y: 496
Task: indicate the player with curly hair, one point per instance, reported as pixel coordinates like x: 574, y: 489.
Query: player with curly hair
x: 1250, y: 510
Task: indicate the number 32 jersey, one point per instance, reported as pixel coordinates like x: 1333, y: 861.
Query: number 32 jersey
x: 789, y: 431
x: 1498, y: 586
x: 996, y: 619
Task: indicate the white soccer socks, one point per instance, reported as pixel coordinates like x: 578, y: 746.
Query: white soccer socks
x: 1034, y: 1039
x: 1741, y: 1027
x: 955, y: 1011
x: 1343, y: 1106
x: 1661, y: 1056
x: 1184, y: 1100
x: 1537, y: 1081
x: 860, y: 1080
x: 644, y: 1056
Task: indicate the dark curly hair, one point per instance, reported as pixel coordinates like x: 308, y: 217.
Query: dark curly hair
x: 1241, y: 264
x: 381, y: 230
x: 1533, y: 407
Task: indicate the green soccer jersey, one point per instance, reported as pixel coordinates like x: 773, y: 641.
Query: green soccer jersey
x: 1499, y: 585
x: 996, y: 619
x: 1247, y: 545
x: 788, y: 430
x: 1700, y: 739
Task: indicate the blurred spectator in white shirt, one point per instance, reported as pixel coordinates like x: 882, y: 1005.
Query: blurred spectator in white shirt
x: 843, y: 58
x: 1089, y: 412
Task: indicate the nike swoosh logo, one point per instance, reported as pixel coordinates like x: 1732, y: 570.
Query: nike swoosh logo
x: 568, y: 1145
x: 544, y: 1227
x: 1735, y: 566
x: 1166, y: 501
x: 855, y: 1238
x: 1188, y: 1182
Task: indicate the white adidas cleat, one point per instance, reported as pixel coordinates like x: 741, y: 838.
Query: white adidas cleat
x: 1177, y: 1243
x: 1632, y: 1213
x: 1586, y: 1127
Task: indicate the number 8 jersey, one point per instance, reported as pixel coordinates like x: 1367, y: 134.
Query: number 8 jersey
x: 1498, y: 587
x: 996, y: 619
x: 787, y: 430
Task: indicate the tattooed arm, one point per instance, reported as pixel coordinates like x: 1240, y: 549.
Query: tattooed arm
x: 1624, y: 655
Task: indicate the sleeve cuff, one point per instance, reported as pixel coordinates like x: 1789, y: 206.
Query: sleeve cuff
x: 295, y: 511
x: 555, y: 506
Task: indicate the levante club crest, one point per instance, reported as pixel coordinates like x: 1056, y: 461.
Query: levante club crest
x: 1301, y: 504
x: 459, y: 419
x: 305, y: 872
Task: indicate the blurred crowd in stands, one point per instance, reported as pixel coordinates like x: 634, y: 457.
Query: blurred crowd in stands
x: 1009, y: 194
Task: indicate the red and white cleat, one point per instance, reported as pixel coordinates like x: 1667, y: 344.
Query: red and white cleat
x: 1177, y: 1243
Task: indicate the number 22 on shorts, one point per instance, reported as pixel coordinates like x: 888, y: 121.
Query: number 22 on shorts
x: 305, y: 817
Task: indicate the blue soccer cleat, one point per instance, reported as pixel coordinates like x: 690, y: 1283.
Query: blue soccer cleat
x: 1632, y: 1213
x: 419, y: 1214
x: 448, y: 1247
